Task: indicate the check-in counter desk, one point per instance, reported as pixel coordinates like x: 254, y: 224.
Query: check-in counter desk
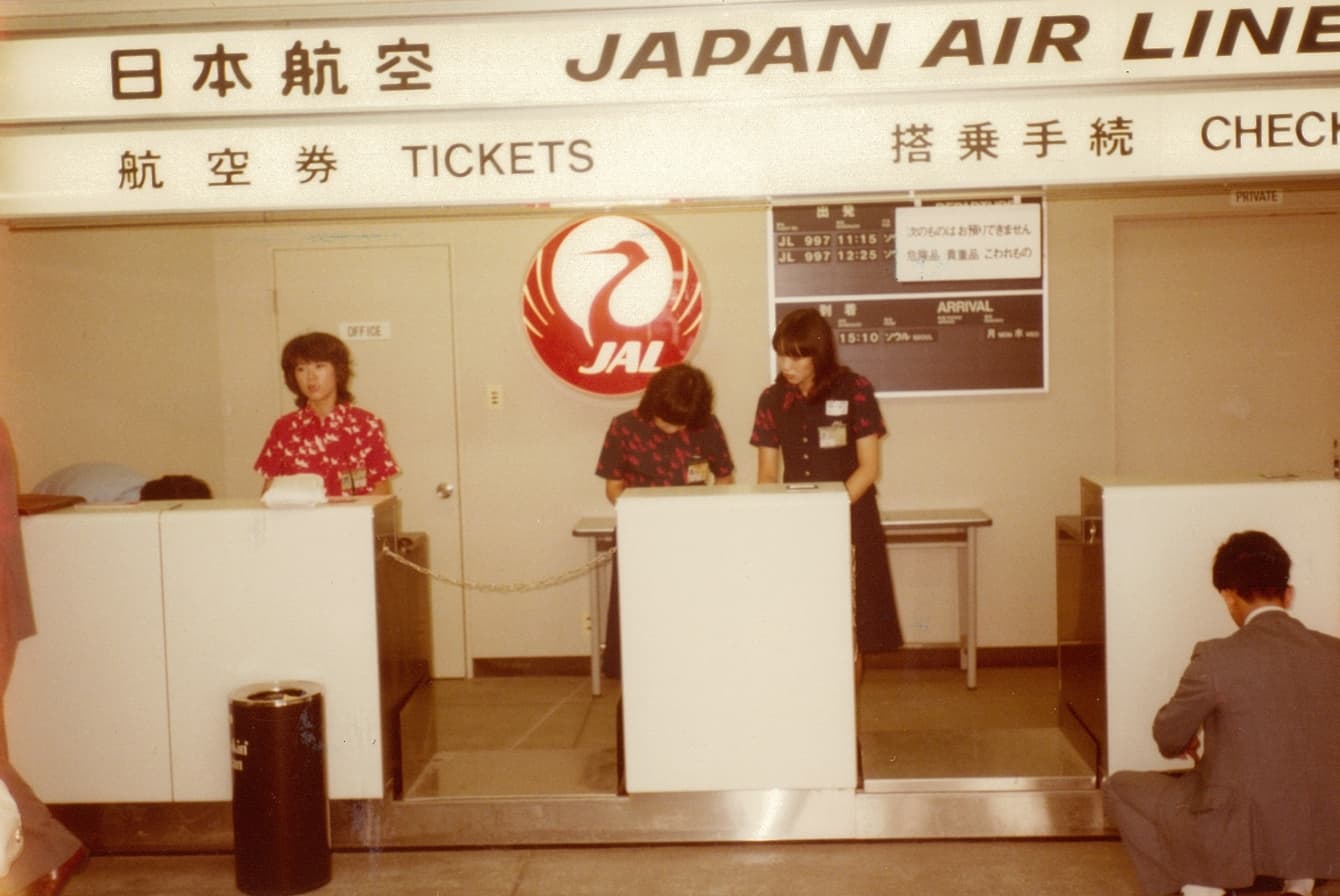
x: 150, y: 615
x: 1158, y: 541
x: 738, y: 645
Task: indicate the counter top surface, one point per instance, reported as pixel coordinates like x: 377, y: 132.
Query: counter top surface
x: 214, y: 504
x: 1113, y: 480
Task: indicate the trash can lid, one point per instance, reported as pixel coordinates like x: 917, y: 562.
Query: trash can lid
x: 275, y: 693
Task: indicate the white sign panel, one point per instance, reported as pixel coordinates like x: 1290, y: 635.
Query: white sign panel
x: 969, y: 242
x: 728, y: 53
x: 667, y: 153
x: 732, y: 100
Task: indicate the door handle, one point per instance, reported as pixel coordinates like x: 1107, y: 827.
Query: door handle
x: 445, y: 490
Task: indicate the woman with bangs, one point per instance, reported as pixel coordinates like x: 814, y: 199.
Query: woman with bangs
x: 820, y: 422
x: 327, y: 434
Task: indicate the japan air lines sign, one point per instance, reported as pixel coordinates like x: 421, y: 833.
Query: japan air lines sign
x: 610, y: 300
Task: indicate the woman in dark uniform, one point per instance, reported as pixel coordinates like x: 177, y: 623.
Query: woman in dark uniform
x: 820, y: 422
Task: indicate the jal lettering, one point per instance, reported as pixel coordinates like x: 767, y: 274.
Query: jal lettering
x: 222, y: 65
x: 139, y: 171
x: 405, y: 64
x: 790, y: 48
x: 299, y: 71
x: 978, y: 141
x: 137, y: 74
x: 316, y: 164
x: 962, y: 39
x: 229, y: 167
x: 628, y: 356
x: 1167, y: 36
x: 912, y: 143
x: 512, y: 158
x: 1273, y: 131
x: 1111, y: 136
x: 1044, y: 135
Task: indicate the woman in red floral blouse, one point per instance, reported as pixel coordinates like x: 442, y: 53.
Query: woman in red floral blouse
x: 327, y: 435
x: 671, y: 438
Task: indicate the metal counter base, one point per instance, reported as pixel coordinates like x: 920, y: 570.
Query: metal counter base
x: 759, y: 816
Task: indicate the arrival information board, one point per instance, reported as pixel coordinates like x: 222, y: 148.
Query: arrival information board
x: 923, y: 298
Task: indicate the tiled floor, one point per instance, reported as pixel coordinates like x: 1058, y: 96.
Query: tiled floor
x: 549, y: 735
x: 903, y: 868
x: 510, y: 735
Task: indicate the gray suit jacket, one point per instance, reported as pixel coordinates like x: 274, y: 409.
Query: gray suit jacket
x: 1265, y: 797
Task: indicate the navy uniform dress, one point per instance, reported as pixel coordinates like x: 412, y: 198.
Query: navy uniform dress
x: 817, y: 436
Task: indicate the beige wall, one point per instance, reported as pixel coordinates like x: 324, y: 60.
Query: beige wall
x: 156, y: 345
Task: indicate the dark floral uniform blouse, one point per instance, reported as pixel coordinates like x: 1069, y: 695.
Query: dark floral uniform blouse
x: 806, y: 429
x: 638, y: 452
x: 347, y: 448
x: 817, y: 435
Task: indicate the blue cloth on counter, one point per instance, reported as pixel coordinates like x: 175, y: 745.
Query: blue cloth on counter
x: 97, y: 483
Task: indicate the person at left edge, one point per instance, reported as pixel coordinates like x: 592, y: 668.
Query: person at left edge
x: 51, y: 853
x: 670, y: 438
x: 327, y: 434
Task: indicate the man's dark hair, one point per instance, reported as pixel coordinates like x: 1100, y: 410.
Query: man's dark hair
x: 1253, y: 564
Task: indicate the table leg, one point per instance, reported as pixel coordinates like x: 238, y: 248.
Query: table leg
x: 595, y: 620
x: 970, y: 589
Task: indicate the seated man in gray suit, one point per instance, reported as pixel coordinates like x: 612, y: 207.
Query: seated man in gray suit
x: 1264, y: 797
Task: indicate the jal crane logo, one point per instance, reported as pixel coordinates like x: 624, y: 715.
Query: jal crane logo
x: 611, y: 300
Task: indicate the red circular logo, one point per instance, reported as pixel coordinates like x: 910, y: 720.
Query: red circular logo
x: 611, y: 300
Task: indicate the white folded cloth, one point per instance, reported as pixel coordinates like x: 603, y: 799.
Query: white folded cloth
x: 298, y: 490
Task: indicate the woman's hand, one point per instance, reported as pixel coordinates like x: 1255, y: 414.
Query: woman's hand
x: 768, y: 464
x: 867, y: 467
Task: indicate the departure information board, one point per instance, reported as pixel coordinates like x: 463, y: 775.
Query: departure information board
x: 923, y: 297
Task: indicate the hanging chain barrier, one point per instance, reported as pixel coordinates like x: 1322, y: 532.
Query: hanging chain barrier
x: 600, y: 559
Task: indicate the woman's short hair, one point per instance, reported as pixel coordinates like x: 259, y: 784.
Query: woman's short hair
x: 680, y: 395
x: 175, y: 485
x: 317, y: 347
x: 804, y: 333
x: 1253, y: 564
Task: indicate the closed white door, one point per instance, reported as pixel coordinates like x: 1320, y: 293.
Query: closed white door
x: 404, y: 372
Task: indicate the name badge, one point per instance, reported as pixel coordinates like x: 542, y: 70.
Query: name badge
x: 353, y: 480
x: 833, y: 435
x: 835, y: 408
x: 698, y: 472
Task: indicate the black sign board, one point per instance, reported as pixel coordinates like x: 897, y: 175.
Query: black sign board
x: 912, y: 334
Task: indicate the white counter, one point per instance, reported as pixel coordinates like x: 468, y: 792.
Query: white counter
x: 150, y: 614
x: 1159, y: 540
x: 738, y: 649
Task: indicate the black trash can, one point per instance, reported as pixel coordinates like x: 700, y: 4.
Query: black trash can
x: 281, y: 814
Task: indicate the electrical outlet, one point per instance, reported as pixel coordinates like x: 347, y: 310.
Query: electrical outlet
x: 586, y: 622
x: 493, y: 396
